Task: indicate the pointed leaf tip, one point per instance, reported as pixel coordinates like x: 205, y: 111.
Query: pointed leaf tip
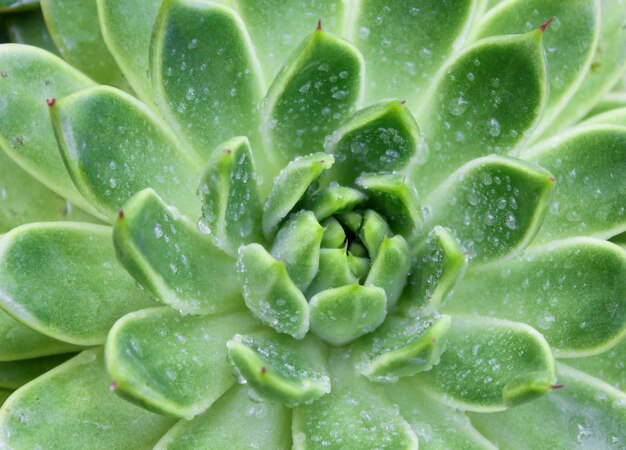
x: 120, y: 214
x: 546, y: 24
x: 51, y: 101
x: 557, y: 386
x: 319, y: 25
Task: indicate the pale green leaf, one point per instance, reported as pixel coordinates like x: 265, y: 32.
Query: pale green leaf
x: 333, y: 271
x: 390, y: 268
x: 608, y: 366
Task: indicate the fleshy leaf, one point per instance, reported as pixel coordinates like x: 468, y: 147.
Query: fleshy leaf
x: 334, y: 199
x: 611, y: 101
x: 394, y: 196
x: 114, y: 146
x: 491, y: 365
x: 588, y: 165
x: 608, y: 366
x: 4, y: 395
x: 382, y: 137
x: 342, y: 314
x: 390, y: 268
x: 572, y: 291
x: 586, y: 413
x: 436, y: 267
x: 29, y: 28
x: 75, y: 29
x: 493, y: 205
x: 334, y: 271
x: 290, y: 185
x: 62, y: 279
x: 74, y: 400
x: 269, y: 293
x: 401, y: 347
x: 231, y: 208
x: 17, y: 5
x: 172, y: 364
x: 233, y: 421
x: 29, y: 76
x: 359, y: 265
x: 298, y: 245
x: 280, y: 368
x: 487, y: 100
x: 373, y: 232
x: 611, y: 117
x: 171, y: 258
x: 334, y: 234
x: 317, y: 89
x: 354, y: 415
x: 14, y: 374
x: 351, y: 221
x: 401, y: 64
x: 205, y: 74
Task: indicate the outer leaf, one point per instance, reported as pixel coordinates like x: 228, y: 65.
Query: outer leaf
x: 167, y: 254
x: 28, y: 77
x: 29, y: 28
x: 612, y: 117
x: 14, y: 374
x: 172, y: 364
x: 74, y: 400
x: 75, y: 29
x: 493, y: 205
x: 572, y: 291
x: 40, y: 261
x: 234, y: 421
x: 99, y: 160
x: 586, y: 413
x: 317, y: 89
x: 608, y: 366
x: 491, y: 365
x: 400, y: 64
x: 588, y: 165
x: 487, y: 100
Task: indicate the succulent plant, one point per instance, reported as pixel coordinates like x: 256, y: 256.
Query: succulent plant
x: 225, y: 227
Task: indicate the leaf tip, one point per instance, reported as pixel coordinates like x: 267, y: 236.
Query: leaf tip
x: 113, y: 386
x: 51, y: 102
x: 557, y: 386
x: 228, y: 151
x: 120, y: 214
x: 319, y: 25
x: 546, y: 24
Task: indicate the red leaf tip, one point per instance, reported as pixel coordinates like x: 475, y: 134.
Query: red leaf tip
x: 120, y: 214
x: 228, y: 151
x: 51, y: 101
x: 545, y: 25
x: 319, y: 25
x: 263, y: 369
x: 557, y: 386
x: 113, y: 386
x: 552, y: 179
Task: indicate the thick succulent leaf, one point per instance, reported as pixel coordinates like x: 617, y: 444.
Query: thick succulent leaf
x: 382, y: 137
x: 270, y: 294
x: 280, y: 368
x: 612, y: 100
x: 436, y: 425
x: 14, y: 374
x: 170, y: 257
x: 353, y: 415
x: 172, y: 364
x: 487, y: 100
x: 493, y: 205
x: 390, y: 268
x: 611, y: 117
x: 231, y: 208
x: 234, y: 421
x: 586, y: 413
x: 4, y: 395
x: 572, y: 291
x: 23, y: 199
x: 334, y: 199
x: 401, y: 64
x: 334, y: 234
x: 17, y: 5
x: 401, y: 347
x: 75, y: 30
x: 589, y: 166
x: 20, y: 342
x: 103, y: 168
x: 126, y: 27
x: 333, y: 271
x: 29, y: 28
x: 491, y: 365
x: 342, y: 314
x: 204, y: 72
x: 373, y: 231
x: 74, y: 401
x: 29, y: 76
x: 62, y: 279
x: 570, y: 41
x: 317, y: 89
x: 608, y: 366
x: 607, y: 66
x: 436, y: 267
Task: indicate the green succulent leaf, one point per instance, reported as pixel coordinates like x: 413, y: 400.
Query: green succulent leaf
x: 317, y: 89
x: 17, y: 5
x: 29, y: 28
x: 342, y: 314
x: 480, y: 106
x: 270, y: 294
x: 233, y: 421
x: 75, y: 30
x: 493, y: 205
x: 390, y: 268
x: 351, y: 221
x: 4, y: 395
x: 231, y: 208
x: 29, y: 77
x: 611, y: 101
x: 38, y: 264
x: 280, y: 368
x: 334, y: 271
x: 373, y: 231
x: 611, y: 117
x: 98, y: 159
x: 170, y: 257
x: 381, y: 137
x: 204, y: 72
x: 609, y: 366
x: 572, y: 291
x: 588, y: 165
x: 74, y: 398
x: 334, y: 199
x: 334, y: 234
x: 14, y: 374
x: 172, y: 364
x: 491, y: 365
x: 586, y: 413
